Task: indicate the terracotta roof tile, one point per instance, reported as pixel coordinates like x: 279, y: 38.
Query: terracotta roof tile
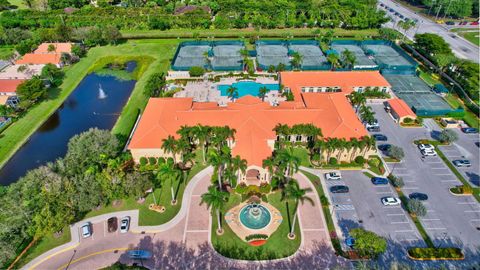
x: 401, y: 108
x: 59, y: 48
x: 39, y: 59
x: 9, y: 86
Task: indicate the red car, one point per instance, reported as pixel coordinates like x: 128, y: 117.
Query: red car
x: 474, y: 23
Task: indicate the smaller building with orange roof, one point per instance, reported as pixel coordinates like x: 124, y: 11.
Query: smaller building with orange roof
x: 400, y: 110
x: 9, y: 87
x: 40, y: 59
x: 54, y: 48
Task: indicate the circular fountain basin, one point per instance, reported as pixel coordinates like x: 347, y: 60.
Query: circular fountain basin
x: 255, y: 216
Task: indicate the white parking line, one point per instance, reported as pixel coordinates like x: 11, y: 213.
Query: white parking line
x: 400, y: 231
x: 440, y: 168
x: 411, y: 188
x: 472, y: 211
x: 467, y: 202
x: 395, y: 214
x: 384, y: 192
x: 449, y: 181
x: 433, y: 162
x: 399, y: 222
x: 435, y: 228
x: 430, y: 219
x: 438, y: 174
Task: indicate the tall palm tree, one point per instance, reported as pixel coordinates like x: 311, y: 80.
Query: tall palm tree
x: 186, y: 132
x: 170, y: 172
x: 357, y: 99
x: 215, y: 200
x: 297, y: 60
x: 169, y: 145
x: 239, y: 166
x: 369, y: 144
x: 262, y: 92
x: 219, y: 160
x: 334, y: 60
x: 287, y: 158
x: 293, y: 192
x: 367, y: 114
x: 342, y: 143
x: 349, y: 58
x: 355, y: 144
x: 232, y: 93
x: 269, y: 164
x: 201, y: 134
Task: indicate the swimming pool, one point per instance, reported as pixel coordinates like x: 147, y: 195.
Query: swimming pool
x: 246, y: 88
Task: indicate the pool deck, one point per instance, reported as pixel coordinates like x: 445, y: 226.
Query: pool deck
x: 207, y: 91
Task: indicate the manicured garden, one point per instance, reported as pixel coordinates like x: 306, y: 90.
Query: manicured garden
x: 277, y: 246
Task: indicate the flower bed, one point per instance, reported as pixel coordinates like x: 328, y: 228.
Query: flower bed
x: 257, y: 243
x: 425, y: 254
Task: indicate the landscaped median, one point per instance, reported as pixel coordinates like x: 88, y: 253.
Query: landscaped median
x: 432, y: 254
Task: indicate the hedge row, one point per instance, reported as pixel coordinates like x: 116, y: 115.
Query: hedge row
x: 450, y: 253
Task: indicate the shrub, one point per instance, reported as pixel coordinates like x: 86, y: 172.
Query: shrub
x: 265, y: 188
x: 448, y: 136
x: 462, y: 189
x: 271, y: 69
x: 396, y: 152
x: 143, y: 161
x: 436, y: 253
x: 152, y: 161
x: 241, y: 188
x: 252, y: 189
x: 255, y: 236
x: 359, y: 160
x: 396, y: 181
x: 367, y: 243
x: 374, y: 162
x: 333, y: 161
x: 324, y: 200
x: 161, y: 160
x: 196, y: 71
x: 407, y: 120
x: 416, y: 207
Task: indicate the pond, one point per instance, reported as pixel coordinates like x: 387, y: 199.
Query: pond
x: 96, y: 102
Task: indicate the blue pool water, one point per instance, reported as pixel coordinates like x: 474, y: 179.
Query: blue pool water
x: 255, y: 216
x: 246, y: 88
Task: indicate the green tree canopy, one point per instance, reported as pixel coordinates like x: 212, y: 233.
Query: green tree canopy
x: 367, y: 243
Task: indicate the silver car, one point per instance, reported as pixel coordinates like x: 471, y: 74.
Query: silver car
x: 86, y: 230
x: 124, y: 224
x: 333, y: 176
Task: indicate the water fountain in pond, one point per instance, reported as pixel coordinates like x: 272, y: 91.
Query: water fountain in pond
x: 255, y: 216
x: 101, y: 93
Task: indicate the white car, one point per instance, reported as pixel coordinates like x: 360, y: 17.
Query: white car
x: 426, y: 147
x: 86, y: 230
x: 428, y: 153
x: 374, y: 124
x: 124, y: 224
x: 390, y: 201
x: 333, y: 176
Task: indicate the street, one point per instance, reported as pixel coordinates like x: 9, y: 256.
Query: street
x: 460, y: 46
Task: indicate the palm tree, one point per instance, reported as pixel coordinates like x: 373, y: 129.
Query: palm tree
x: 215, y: 200
x: 369, y: 143
x: 348, y: 58
x: 286, y: 157
x: 262, y: 92
x: 239, y: 166
x: 297, y: 60
x: 367, y: 114
x: 186, y: 132
x: 334, y: 60
x: 232, y: 93
x: 293, y: 192
x: 202, y: 134
x: 219, y: 159
x: 269, y: 164
x: 342, y: 146
x: 169, y: 145
x: 355, y: 144
x: 170, y: 172
x: 357, y: 99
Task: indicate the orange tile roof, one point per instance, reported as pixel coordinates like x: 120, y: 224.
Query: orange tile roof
x: 9, y: 86
x: 253, y: 120
x: 346, y: 80
x: 39, y: 59
x: 401, y: 108
x: 59, y: 48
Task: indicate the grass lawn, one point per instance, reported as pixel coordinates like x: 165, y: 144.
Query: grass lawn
x: 303, y: 154
x: 241, y: 33
x: 6, y: 52
x: 160, y: 50
x: 44, y: 245
x: 19, y: 3
x: 470, y: 118
x: 469, y: 34
x: 428, y: 78
x: 277, y: 246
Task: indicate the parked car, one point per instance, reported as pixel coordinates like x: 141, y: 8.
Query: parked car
x: 86, y: 229
x: 474, y: 23
x: 450, y: 23
x: 384, y: 147
x: 373, y: 129
x: 462, y: 163
x: 139, y: 254
x: 339, y: 189
x: 350, y: 242
x: 374, y: 123
x: 391, y: 10
x: 379, y: 181
x: 401, y: 16
x: 390, y: 201
x: 426, y: 147
x: 418, y: 196
x: 333, y: 176
x: 380, y: 137
x: 397, y: 14
x: 469, y: 130
x: 124, y: 224
x: 112, y: 224
x: 428, y: 153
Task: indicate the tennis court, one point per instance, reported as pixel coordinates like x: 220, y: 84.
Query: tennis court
x: 312, y: 56
x: 272, y: 53
x: 227, y: 56
x: 189, y: 56
x: 385, y: 54
x: 362, y: 60
x: 418, y: 95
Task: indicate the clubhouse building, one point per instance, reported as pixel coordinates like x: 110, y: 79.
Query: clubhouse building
x: 319, y: 99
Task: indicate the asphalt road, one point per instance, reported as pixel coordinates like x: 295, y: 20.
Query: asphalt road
x: 460, y: 46
x: 450, y: 220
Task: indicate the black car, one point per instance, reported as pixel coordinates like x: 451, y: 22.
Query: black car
x: 373, y: 129
x: 384, y: 147
x: 380, y: 137
x: 450, y: 23
x: 418, y: 196
x: 470, y: 130
x: 339, y: 189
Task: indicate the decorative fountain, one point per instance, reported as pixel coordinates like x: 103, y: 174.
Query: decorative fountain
x: 101, y: 92
x: 255, y: 216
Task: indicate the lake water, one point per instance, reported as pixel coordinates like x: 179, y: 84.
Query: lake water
x: 96, y: 102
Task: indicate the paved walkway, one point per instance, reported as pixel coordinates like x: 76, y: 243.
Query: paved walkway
x: 191, y: 228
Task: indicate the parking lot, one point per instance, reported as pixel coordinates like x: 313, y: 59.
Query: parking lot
x: 362, y: 206
x: 450, y: 219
